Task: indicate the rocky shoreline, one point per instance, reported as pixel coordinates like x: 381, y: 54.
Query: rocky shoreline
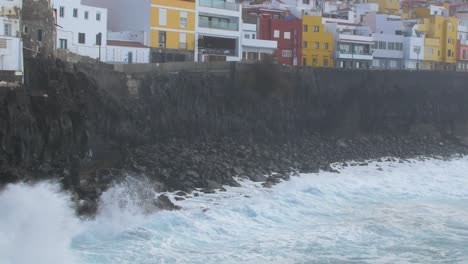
x: 205, y: 166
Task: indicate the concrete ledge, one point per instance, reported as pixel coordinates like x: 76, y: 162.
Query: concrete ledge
x: 174, y: 67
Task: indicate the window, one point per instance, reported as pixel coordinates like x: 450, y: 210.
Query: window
x: 86, y: 15
x: 247, y: 36
x: 81, y: 38
x: 7, y: 30
x: 98, y: 16
x: 254, y: 36
x: 99, y: 39
x: 26, y: 29
x: 430, y: 51
x: 304, y: 44
x: 314, y: 61
x: 287, y: 53
x: 3, y: 43
x: 393, y: 64
x: 449, y: 40
x: 162, y: 16
x: 39, y: 35
x: 183, y: 19
x: 162, y: 39
x: 316, y: 29
x: 316, y: 45
x: 325, y: 45
x: 325, y: 62
x: 438, y: 53
x: 391, y: 46
x: 305, y: 28
x: 183, y: 40
x: 382, y: 45
x: 306, y: 2
x: 63, y: 44
x: 375, y: 63
x: 399, y: 46
x: 449, y: 53
x: 276, y: 34
x: 62, y: 11
x: 75, y: 12
x: 287, y: 35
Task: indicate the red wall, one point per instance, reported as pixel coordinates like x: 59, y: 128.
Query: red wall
x: 460, y: 49
x: 293, y: 25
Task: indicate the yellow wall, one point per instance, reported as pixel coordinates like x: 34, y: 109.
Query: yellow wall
x: 388, y: 6
x: 173, y: 28
x: 441, y: 36
x: 449, y: 38
x: 321, y: 54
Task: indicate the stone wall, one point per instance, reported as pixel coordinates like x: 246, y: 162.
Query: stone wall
x: 71, y: 119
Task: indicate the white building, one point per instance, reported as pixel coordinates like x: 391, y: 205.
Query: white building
x: 127, y: 47
x: 353, y: 44
x: 413, y: 46
x: 218, y: 30
x: 254, y: 49
x: 300, y: 5
x: 11, y: 45
x: 126, y: 15
x: 81, y: 29
x: 387, y: 32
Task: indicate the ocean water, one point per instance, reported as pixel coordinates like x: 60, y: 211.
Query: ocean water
x: 382, y: 213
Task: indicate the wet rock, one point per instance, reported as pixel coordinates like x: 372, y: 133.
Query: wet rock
x: 181, y: 193
x: 178, y: 198
x: 164, y: 203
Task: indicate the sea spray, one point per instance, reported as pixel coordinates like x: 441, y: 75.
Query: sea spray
x: 386, y: 212
x: 37, y: 224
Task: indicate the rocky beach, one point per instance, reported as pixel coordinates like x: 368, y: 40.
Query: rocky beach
x: 90, y: 126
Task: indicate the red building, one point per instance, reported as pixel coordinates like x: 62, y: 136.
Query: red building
x: 462, y: 55
x: 280, y: 26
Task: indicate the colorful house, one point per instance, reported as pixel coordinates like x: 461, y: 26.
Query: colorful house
x: 283, y: 27
x: 172, y: 30
x: 440, y: 44
x: 317, y: 44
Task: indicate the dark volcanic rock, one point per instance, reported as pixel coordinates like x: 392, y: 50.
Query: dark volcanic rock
x: 163, y: 202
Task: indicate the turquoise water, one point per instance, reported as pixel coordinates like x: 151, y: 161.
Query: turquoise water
x: 408, y: 213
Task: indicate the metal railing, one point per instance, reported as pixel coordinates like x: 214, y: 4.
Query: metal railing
x: 216, y: 24
x: 219, y: 4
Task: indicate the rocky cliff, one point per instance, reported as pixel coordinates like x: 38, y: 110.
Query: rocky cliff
x: 86, y: 123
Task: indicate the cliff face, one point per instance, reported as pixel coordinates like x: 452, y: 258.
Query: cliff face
x: 75, y: 120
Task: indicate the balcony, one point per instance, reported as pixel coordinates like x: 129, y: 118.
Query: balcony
x: 219, y: 4
x: 346, y: 54
x: 218, y: 24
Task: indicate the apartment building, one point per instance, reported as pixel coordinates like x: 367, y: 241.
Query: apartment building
x: 11, y: 44
x: 317, y: 44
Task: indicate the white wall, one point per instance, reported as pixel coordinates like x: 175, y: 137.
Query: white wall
x: 69, y: 27
x: 138, y: 36
x: 126, y: 15
x: 119, y: 54
x: 11, y: 49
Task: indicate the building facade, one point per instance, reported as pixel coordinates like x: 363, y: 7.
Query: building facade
x: 218, y: 31
x: 317, y: 44
x: 81, y: 29
x: 462, y: 45
x: 127, y: 48
x: 11, y: 44
x: 172, y: 30
x: 254, y: 49
x: 284, y: 28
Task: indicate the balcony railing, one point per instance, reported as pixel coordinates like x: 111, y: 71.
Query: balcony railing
x: 219, y: 4
x: 355, y: 53
x: 216, y: 24
x: 225, y: 52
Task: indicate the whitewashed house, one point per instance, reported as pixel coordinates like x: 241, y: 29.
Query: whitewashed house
x: 81, y: 29
x: 254, y: 49
x: 11, y: 45
x: 127, y: 47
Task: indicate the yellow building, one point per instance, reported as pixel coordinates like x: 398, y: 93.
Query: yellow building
x: 440, y: 44
x: 317, y: 45
x: 387, y: 6
x: 172, y: 36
